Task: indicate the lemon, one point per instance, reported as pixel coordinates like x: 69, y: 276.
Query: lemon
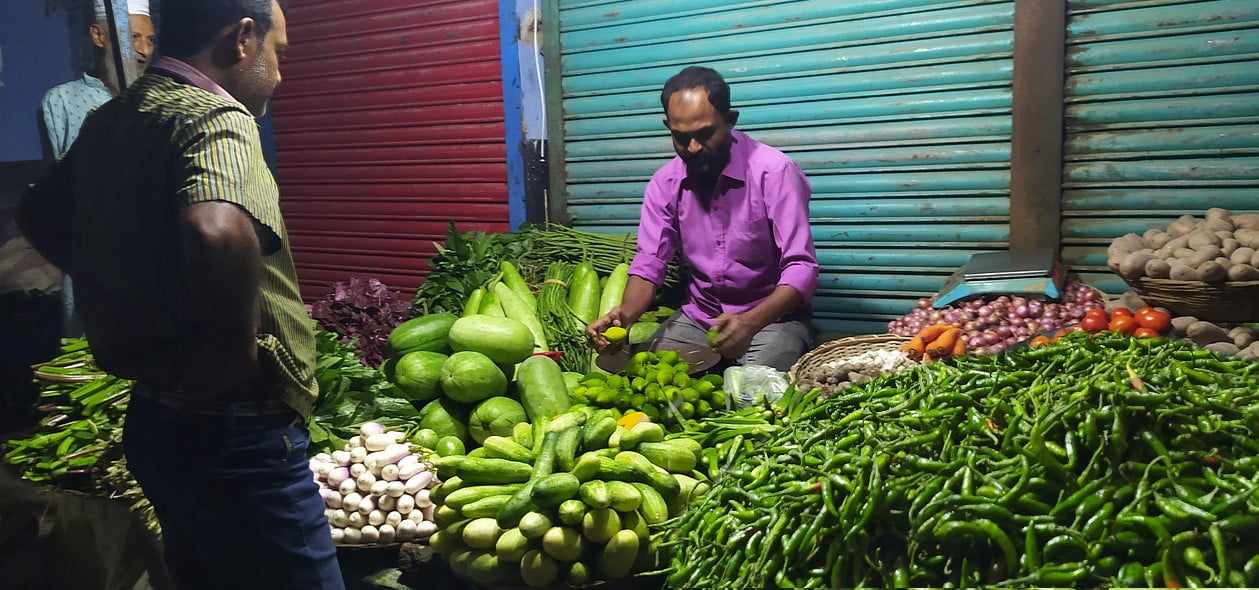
x: 615, y: 334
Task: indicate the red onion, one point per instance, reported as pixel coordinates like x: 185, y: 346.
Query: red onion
x: 969, y: 327
x: 985, y: 311
x: 1022, y: 310
x: 1004, y: 331
x: 924, y: 303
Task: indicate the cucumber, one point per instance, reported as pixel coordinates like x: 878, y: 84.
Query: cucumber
x: 654, y: 509
x: 578, y: 574
x: 583, y: 293
x: 486, y: 569
x: 505, y: 448
x: 562, y: 543
x: 478, y: 453
x: 446, y: 515
x: 591, y: 466
x: 674, y: 457
x: 571, y: 512
x: 566, y: 448
x: 494, y: 471
x: 455, y: 529
x: 441, y: 492
x: 595, y: 494
x: 448, y: 466
x: 485, y: 507
x: 444, y: 544
x: 522, y: 501
x: 617, y: 558
x: 688, y: 444
x: 534, y: 524
x: 596, y: 432
x: 552, y: 490
x: 648, y: 432
x: 538, y: 569
x: 511, y: 546
x: 522, y: 433
x: 600, y: 524
x: 647, y: 473
x: 624, y: 497
x: 462, y: 497
x: 686, y: 492
x: 633, y: 521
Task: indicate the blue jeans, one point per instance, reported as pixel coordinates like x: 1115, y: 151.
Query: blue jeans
x: 235, y: 497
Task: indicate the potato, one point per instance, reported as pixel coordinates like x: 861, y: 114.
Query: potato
x: 1202, y: 255
x: 1243, y: 272
x: 1254, y: 260
x: 1223, y: 348
x: 1224, y: 235
x: 1246, y: 221
x: 1238, y: 330
x: 1133, y: 266
x: 1219, y: 213
x: 1182, y: 226
x: 1247, y: 237
x: 1251, y: 352
x: 1176, y: 243
x: 1181, y: 324
x: 1158, y: 269
x: 1201, y: 239
x: 1184, y: 253
x: 1183, y: 272
x: 1229, y: 246
x: 1213, y: 272
x: 1218, y: 225
x: 1242, y: 255
x: 1131, y: 300
x: 1244, y: 340
x: 1156, y: 238
x: 1204, y: 333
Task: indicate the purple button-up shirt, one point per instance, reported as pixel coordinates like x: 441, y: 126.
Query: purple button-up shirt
x: 750, y: 237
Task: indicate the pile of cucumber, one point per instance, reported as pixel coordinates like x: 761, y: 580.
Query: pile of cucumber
x: 563, y: 499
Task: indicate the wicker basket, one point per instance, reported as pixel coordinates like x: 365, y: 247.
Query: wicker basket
x: 844, y: 348
x: 1227, y: 302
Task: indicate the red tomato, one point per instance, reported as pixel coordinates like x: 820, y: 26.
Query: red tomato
x: 1159, y: 321
x: 1096, y: 312
x: 1093, y: 324
x: 1120, y: 311
x: 1123, y: 324
x: 1145, y: 333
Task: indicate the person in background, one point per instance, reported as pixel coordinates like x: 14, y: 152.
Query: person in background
x: 167, y: 217
x: 65, y: 106
x: 739, y: 211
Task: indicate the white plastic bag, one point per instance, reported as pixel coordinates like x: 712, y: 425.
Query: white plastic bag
x: 754, y: 384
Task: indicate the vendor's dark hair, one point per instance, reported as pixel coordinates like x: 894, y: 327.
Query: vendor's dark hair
x: 188, y: 26
x: 698, y: 77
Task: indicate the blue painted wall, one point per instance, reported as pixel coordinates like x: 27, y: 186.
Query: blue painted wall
x: 39, y: 49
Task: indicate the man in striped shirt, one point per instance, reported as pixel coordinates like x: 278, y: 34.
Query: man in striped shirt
x: 167, y: 218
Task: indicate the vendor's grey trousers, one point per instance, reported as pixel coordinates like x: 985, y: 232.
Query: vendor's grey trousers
x: 778, y: 345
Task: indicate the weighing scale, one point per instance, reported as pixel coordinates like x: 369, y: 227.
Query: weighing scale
x: 1029, y: 273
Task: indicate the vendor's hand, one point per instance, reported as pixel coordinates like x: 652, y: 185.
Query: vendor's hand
x: 616, y: 317
x: 734, y: 334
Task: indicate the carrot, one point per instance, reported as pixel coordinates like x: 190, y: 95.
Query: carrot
x: 930, y: 333
x: 959, y: 349
x: 942, y: 346
x: 914, y: 348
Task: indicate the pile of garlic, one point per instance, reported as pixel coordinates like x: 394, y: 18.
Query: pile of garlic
x: 376, y: 491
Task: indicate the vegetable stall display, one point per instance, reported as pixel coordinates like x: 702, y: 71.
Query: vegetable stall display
x: 993, y: 324
x: 565, y: 499
x: 376, y: 489
x: 1095, y: 460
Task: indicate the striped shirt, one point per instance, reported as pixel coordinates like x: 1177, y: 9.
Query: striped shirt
x: 162, y: 145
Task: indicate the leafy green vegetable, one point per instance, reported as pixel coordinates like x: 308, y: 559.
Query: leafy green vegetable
x: 464, y: 263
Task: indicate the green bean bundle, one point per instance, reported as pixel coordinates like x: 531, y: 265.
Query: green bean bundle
x: 1092, y: 461
x: 605, y: 251
x: 564, y: 330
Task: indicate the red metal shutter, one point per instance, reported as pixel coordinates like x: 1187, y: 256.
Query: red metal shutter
x: 388, y: 125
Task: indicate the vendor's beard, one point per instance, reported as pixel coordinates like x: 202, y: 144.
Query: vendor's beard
x: 707, y: 168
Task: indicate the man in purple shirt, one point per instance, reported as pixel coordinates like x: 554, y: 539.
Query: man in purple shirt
x: 739, y: 211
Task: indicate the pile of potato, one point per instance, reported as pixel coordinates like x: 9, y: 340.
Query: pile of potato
x: 1221, y: 248
x: 1241, y: 341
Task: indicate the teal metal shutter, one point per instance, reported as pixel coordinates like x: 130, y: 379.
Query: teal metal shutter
x: 1162, y: 119
x: 898, y: 111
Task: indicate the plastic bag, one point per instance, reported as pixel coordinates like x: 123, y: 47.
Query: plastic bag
x: 754, y: 384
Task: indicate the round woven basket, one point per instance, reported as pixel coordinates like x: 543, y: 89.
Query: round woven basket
x: 844, y: 348
x: 1227, y: 302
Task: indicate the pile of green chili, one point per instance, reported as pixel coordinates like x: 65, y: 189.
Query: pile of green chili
x: 1088, y: 462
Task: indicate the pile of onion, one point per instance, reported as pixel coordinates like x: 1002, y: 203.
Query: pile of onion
x: 994, y: 324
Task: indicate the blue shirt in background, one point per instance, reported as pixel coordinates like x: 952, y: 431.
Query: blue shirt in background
x: 67, y: 105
